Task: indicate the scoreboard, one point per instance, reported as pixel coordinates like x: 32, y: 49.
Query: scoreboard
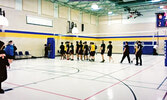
x: 161, y: 19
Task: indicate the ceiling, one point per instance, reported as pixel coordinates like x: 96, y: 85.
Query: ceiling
x: 115, y: 6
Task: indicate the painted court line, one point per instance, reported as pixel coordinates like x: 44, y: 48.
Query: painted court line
x: 44, y: 91
x: 162, y: 83
x: 164, y: 96
x: 117, y: 83
x: 110, y: 73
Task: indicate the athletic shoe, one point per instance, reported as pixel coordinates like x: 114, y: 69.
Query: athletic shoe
x: 102, y: 61
x: 1, y: 91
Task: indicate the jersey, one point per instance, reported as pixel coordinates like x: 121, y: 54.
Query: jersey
x: 92, y: 48
x: 103, y: 47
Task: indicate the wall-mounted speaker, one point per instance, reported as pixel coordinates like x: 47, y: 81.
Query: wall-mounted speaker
x: 82, y: 27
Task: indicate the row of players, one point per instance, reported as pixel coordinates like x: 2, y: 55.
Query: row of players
x: 83, y: 50
x: 67, y: 50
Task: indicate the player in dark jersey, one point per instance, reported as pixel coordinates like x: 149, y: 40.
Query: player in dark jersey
x: 72, y: 51
x: 68, y: 50
x: 86, y: 49
x: 139, y: 53
x: 126, y: 52
x: 3, y: 64
x: 89, y: 47
x: 62, y: 51
x: 80, y: 50
x: 109, y: 49
x: 102, y: 48
x: 77, y: 50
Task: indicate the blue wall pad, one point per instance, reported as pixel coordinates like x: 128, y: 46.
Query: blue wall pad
x: 165, y: 48
x: 147, y: 47
x: 52, y: 47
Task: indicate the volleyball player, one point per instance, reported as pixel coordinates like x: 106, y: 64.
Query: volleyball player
x: 136, y: 49
x: 86, y: 51
x: 80, y: 50
x: 102, y: 48
x: 109, y: 49
x: 126, y: 52
x: 77, y: 50
x: 68, y: 50
x: 3, y: 64
x: 72, y: 51
x: 139, y: 54
x: 62, y: 50
x: 92, y: 52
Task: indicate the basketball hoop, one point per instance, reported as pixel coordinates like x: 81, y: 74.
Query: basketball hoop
x: 75, y: 30
x: 3, y: 20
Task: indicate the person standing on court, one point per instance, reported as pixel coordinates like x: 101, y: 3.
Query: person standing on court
x: 92, y: 51
x: 109, y: 48
x: 135, y: 50
x: 86, y: 48
x: 10, y: 51
x: 15, y: 48
x: 95, y: 49
x: 81, y: 50
x: 139, y: 54
x: 126, y: 52
x: 62, y: 50
x: 72, y: 51
x: 102, y: 48
x: 77, y: 50
x: 68, y: 50
x: 3, y: 64
x: 46, y: 51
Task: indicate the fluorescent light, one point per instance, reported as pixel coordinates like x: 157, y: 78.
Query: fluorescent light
x: 110, y: 13
x: 155, y: 0
x: 94, y: 6
x: 161, y: 7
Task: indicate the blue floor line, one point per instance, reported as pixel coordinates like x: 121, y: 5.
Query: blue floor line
x: 162, y: 83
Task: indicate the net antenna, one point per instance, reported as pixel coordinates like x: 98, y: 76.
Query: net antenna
x: 3, y: 20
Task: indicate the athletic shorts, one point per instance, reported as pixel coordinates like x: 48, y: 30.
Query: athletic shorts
x: 92, y: 53
x: 62, y: 52
x: 86, y: 53
x: 77, y: 51
x: 81, y: 52
x: 67, y: 52
x: 10, y: 57
x: 102, y: 52
x: 72, y: 52
x: 109, y: 54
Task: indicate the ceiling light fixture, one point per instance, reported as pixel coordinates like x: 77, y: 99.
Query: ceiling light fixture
x: 155, y: 0
x: 110, y: 13
x: 95, y: 6
x: 161, y: 7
